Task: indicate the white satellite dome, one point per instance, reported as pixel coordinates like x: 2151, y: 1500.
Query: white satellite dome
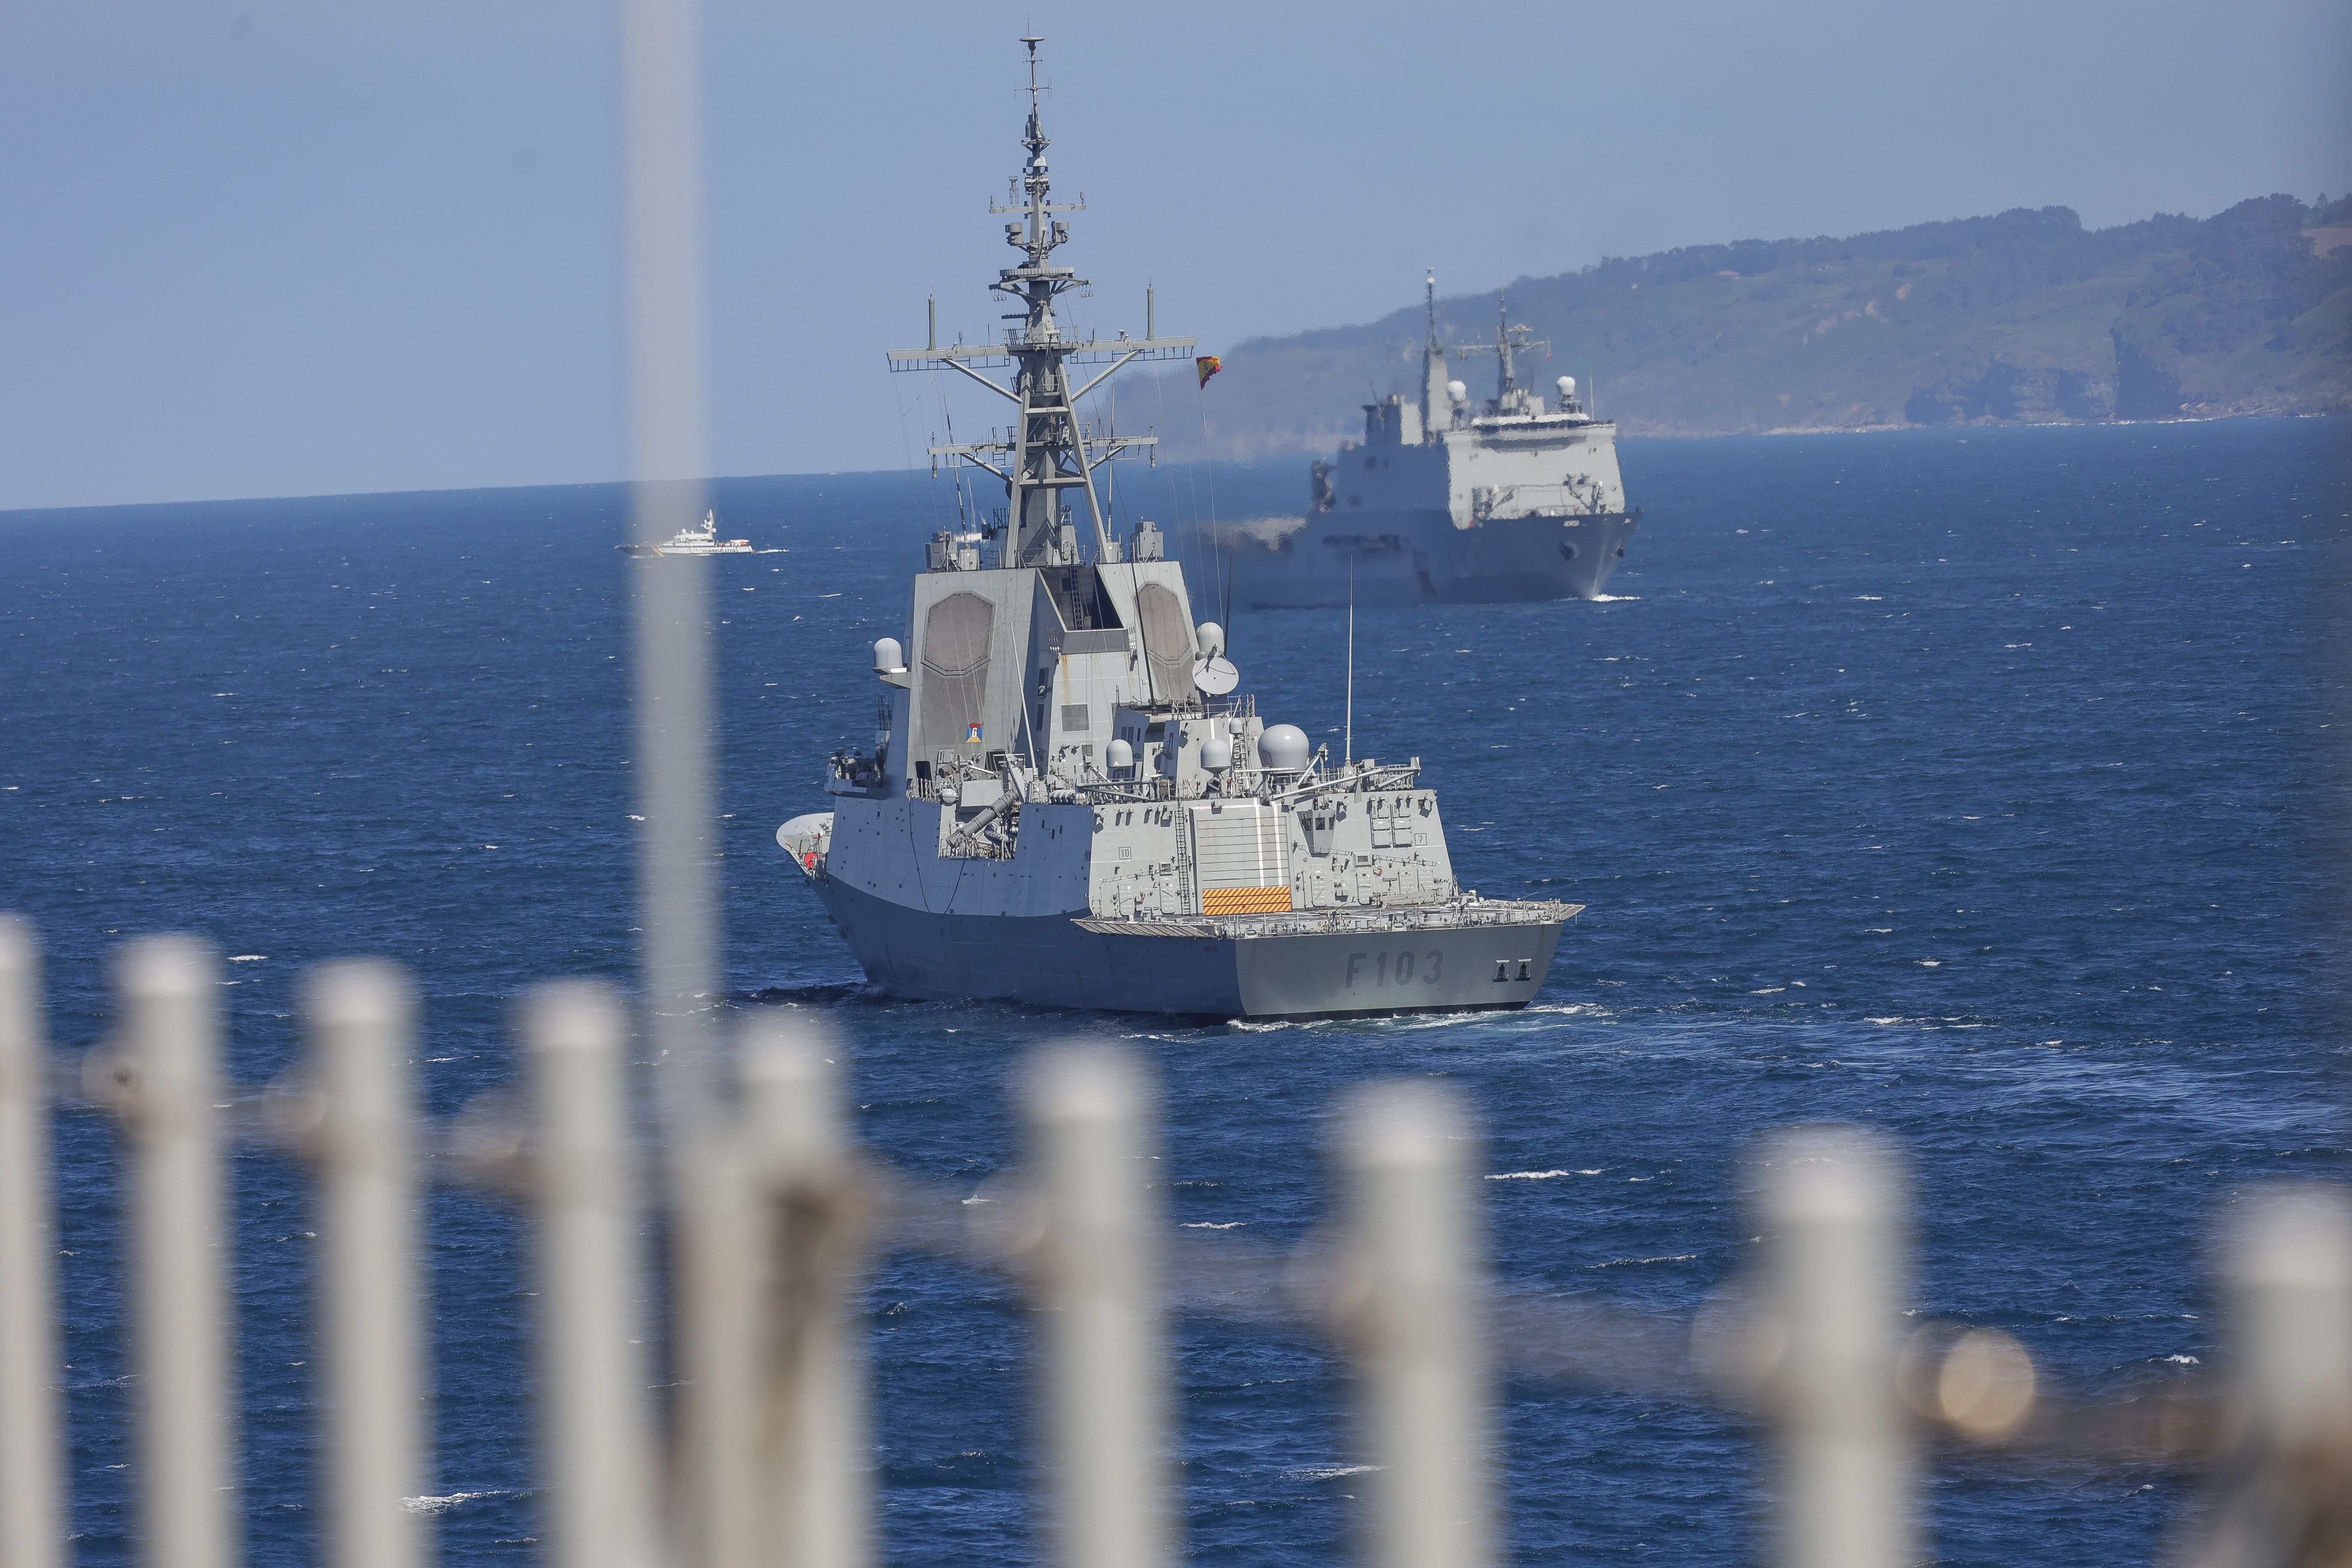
x: 1282, y: 749
x: 1567, y: 386
x: 1457, y: 390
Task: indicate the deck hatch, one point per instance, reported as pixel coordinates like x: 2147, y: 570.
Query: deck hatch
x: 1239, y: 852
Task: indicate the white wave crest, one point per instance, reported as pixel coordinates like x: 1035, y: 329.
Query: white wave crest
x: 444, y: 1504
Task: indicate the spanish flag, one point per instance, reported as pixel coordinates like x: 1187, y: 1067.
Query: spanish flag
x: 1208, y: 365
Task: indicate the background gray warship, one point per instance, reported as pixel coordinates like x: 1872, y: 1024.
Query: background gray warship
x: 1442, y: 503
x: 1066, y: 804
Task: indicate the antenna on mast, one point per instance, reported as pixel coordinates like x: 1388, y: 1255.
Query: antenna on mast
x: 1036, y: 138
x: 1510, y: 339
x: 1048, y: 451
x: 1503, y: 338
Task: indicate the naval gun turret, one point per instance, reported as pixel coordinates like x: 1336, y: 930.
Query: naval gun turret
x: 1069, y: 802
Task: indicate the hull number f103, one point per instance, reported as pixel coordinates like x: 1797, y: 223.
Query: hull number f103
x: 1396, y: 968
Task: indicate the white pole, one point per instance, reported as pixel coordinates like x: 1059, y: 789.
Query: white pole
x: 361, y: 1016
x: 596, y: 1441
x: 2286, y: 1475
x: 1832, y: 1203
x: 661, y: 108
x: 717, y: 1486
x: 30, y: 1495
x: 680, y: 910
x: 170, y: 993
x: 1095, y: 1276
x: 1348, y: 740
x: 1409, y: 1303
x: 2292, y: 1283
x: 818, y: 1469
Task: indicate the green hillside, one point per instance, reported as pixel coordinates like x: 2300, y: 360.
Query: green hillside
x: 2025, y: 317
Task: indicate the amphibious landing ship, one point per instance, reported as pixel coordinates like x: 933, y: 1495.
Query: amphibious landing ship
x: 1446, y: 503
x: 1066, y: 804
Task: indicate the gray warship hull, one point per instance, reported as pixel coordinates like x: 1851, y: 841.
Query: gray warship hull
x: 1420, y: 557
x: 1067, y: 803
x: 1443, y: 503
x: 1211, y: 968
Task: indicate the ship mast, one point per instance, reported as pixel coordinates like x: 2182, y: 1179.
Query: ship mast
x: 1433, y: 400
x: 1048, y: 450
x: 1508, y: 339
x: 1507, y: 385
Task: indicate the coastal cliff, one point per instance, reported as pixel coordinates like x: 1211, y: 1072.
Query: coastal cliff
x: 2025, y: 317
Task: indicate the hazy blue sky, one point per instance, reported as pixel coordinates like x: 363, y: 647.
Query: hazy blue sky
x: 260, y: 248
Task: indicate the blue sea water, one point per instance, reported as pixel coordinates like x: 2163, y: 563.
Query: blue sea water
x: 1983, y: 786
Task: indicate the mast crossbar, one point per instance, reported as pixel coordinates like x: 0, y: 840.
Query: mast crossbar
x: 1049, y: 450
x: 998, y: 356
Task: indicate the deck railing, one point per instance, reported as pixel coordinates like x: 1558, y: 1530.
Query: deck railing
x: 767, y: 1460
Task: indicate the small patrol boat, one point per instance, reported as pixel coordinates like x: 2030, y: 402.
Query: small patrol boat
x: 1067, y: 803
x: 703, y: 541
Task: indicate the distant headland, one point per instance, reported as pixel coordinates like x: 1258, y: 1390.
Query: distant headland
x: 2024, y: 318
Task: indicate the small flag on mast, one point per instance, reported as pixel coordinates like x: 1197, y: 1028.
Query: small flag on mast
x: 1208, y: 365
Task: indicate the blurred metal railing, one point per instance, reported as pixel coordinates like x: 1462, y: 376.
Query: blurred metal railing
x: 1855, y: 1396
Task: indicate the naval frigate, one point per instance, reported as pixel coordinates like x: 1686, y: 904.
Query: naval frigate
x: 1067, y: 803
x: 1442, y: 502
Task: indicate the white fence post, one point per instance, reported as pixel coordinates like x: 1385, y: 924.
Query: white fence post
x: 714, y: 1480
x: 595, y: 1440
x: 818, y: 1467
x: 361, y: 1016
x: 31, y: 1498
x: 171, y: 1090
x: 1409, y: 1299
x: 2284, y: 1488
x: 1096, y: 1275
x: 1832, y: 1203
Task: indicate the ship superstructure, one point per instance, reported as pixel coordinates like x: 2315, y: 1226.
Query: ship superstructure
x: 693, y: 541
x: 1448, y: 502
x: 1066, y: 802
